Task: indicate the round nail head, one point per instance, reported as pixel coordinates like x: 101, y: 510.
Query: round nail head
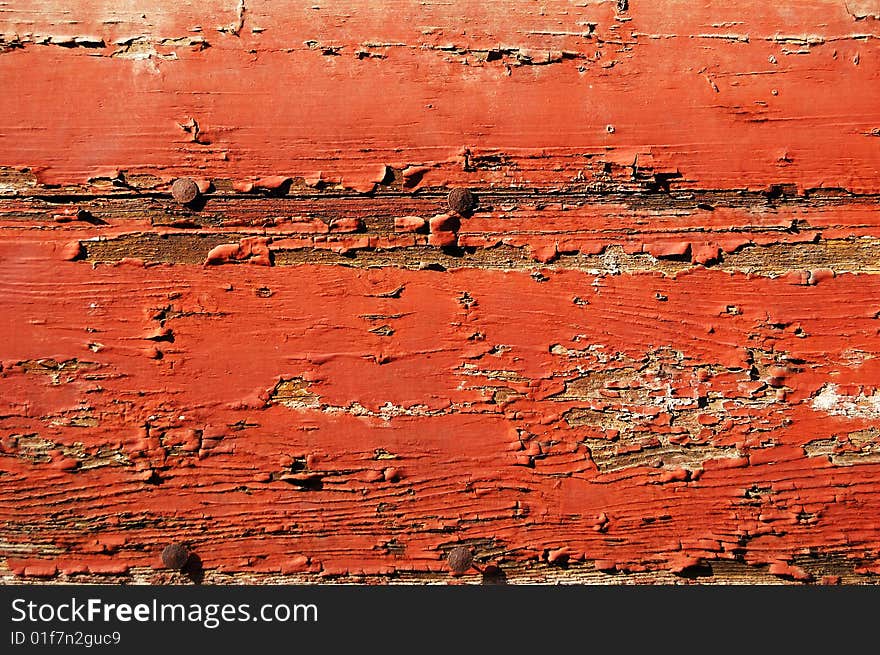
x: 184, y: 190
x: 460, y: 559
x: 175, y: 556
x: 461, y: 201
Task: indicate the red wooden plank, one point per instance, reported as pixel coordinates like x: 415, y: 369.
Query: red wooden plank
x: 743, y: 97
x: 490, y: 390
x: 648, y: 354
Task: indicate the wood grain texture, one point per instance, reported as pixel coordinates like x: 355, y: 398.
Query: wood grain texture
x: 649, y: 354
x: 526, y: 94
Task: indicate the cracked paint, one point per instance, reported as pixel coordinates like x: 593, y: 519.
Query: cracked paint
x: 646, y: 352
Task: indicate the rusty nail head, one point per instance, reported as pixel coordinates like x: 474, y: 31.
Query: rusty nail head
x: 175, y: 556
x: 184, y: 190
x: 461, y: 201
x: 460, y: 559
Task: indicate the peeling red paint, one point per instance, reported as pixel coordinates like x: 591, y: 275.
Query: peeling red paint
x: 207, y: 420
x: 646, y: 349
x: 797, y: 88
x: 254, y: 250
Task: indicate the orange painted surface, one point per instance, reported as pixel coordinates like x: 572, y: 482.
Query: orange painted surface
x: 726, y: 96
x: 651, y: 348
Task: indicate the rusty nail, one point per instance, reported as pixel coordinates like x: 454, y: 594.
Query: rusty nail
x: 460, y: 559
x: 175, y: 556
x: 461, y: 201
x: 184, y: 190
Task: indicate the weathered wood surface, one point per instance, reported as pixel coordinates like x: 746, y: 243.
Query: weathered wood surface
x: 649, y: 354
